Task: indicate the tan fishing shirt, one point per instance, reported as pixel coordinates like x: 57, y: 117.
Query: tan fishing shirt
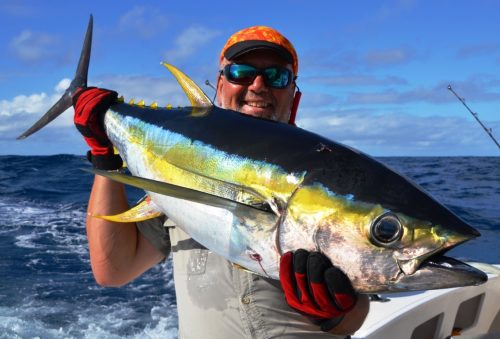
x: 217, y: 300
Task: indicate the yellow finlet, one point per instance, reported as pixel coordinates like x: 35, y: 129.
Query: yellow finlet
x: 154, y: 105
x: 239, y: 267
x: 169, y: 106
x: 120, y: 99
x: 141, y: 103
x: 144, y: 210
x: 194, y: 93
x: 131, y: 102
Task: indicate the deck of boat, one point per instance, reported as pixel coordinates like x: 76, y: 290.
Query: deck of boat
x: 466, y: 312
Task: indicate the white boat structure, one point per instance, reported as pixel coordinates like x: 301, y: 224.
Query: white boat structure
x: 465, y: 312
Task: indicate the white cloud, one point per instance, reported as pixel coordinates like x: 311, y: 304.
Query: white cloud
x: 355, y: 60
x: 62, y: 85
x: 20, y: 112
x: 395, y: 133
x: 189, y: 41
x: 388, y: 56
x: 355, y: 80
x: 484, y: 49
x: 32, y: 103
x: 479, y: 89
x: 386, y: 97
x: 163, y: 90
x: 35, y: 104
x: 147, y: 22
x: 312, y: 99
x: 326, y: 59
x: 31, y: 46
x: 394, y: 9
x: 399, y: 133
x: 17, y: 8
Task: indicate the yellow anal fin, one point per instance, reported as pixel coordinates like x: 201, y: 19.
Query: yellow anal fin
x: 144, y: 210
x: 194, y: 93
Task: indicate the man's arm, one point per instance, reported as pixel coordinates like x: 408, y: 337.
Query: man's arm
x: 118, y: 251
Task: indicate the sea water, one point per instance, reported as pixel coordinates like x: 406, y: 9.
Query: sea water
x: 46, y: 285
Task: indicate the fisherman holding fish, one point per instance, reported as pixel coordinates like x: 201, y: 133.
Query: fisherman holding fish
x: 215, y: 298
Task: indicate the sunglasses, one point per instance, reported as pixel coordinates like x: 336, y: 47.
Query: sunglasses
x: 274, y: 76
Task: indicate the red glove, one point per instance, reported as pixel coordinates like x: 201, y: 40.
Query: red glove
x: 316, y: 288
x: 90, y: 105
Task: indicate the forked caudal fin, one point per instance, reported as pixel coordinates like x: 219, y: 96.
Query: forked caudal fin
x: 197, y: 97
x: 80, y: 80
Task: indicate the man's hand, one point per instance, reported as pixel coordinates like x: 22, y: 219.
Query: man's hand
x: 316, y: 288
x: 90, y: 105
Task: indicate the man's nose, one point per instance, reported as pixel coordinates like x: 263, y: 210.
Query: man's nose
x: 258, y: 84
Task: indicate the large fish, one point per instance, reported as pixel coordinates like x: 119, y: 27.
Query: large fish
x: 251, y: 189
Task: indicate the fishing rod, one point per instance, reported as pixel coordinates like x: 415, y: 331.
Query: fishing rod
x: 475, y: 115
x: 209, y: 84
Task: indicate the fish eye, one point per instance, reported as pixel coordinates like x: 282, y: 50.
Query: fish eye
x: 386, y: 230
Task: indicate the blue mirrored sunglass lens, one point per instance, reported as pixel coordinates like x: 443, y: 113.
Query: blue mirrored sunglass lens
x: 241, y: 73
x: 276, y: 77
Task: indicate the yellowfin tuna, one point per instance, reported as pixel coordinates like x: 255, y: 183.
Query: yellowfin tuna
x: 251, y: 189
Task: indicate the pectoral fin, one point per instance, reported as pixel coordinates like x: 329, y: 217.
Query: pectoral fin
x: 177, y: 191
x: 144, y: 210
x: 221, y: 188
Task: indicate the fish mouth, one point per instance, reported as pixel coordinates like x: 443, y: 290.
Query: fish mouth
x: 432, y: 269
x: 439, y: 271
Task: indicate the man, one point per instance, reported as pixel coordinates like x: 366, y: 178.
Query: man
x: 215, y: 299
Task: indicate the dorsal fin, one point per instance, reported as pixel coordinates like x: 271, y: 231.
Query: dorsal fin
x: 194, y: 93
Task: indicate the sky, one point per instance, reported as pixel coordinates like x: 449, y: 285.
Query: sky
x: 374, y: 74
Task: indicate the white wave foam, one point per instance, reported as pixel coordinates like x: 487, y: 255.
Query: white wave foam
x: 21, y: 326
x: 53, y: 306
x: 98, y: 316
x: 58, y: 227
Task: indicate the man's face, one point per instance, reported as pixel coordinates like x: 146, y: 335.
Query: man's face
x: 257, y: 99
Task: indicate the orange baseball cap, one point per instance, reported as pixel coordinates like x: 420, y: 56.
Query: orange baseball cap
x: 259, y: 37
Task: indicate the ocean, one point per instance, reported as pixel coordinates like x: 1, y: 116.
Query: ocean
x: 46, y: 286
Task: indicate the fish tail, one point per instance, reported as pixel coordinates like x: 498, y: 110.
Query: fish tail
x: 79, y: 80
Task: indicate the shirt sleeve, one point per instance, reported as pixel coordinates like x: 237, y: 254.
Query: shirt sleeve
x: 156, y: 233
